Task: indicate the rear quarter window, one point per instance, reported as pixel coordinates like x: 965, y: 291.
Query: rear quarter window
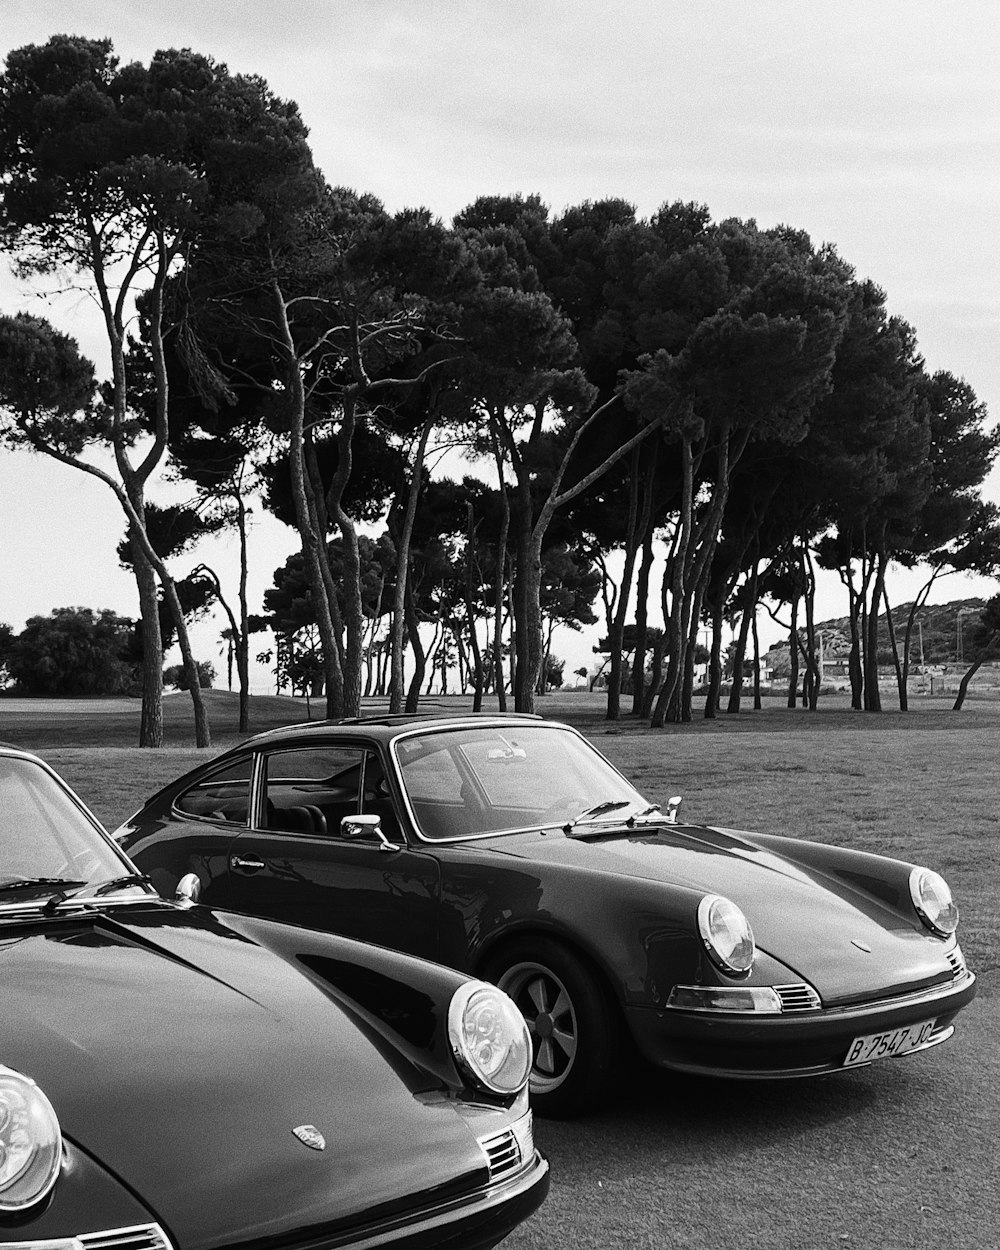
x: 223, y: 795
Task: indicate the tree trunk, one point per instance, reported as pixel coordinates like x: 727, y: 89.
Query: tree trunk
x: 311, y: 533
x: 617, y: 631
x: 237, y: 631
x: 354, y: 618
x: 532, y: 531
x: 151, y: 719
x: 793, y: 654
x: 674, y: 573
x: 527, y: 624
x: 499, y: 586
x: 749, y: 598
x: 641, y: 625
x: 854, y: 655
x: 911, y: 618
x: 714, y: 683
x: 477, y: 655
x: 901, y: 675
x: 814, y: 676
x: 683, y: 713
x: 873, y: 697
x: 419, y: 656
x: 202, y: 730
x: 696, y: 552
x: 432, y: 655
x: 397, y: 619
x: 963, y: 688
x: 243, y: 637
x: 655, y: 673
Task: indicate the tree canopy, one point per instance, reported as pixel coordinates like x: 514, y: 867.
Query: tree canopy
x: 729, y: 398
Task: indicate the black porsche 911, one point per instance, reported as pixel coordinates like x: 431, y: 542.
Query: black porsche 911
x: 177, y: 1078
x: 509, y: 848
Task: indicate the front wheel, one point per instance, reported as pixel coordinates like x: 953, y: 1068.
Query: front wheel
x: 570, y: 1020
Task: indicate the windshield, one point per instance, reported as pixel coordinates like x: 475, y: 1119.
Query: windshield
x: 45, y: 837
x: 469, y: 781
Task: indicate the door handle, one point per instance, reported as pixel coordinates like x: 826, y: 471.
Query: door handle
x: 246, y: 863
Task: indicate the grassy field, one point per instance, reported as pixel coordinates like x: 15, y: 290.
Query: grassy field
x: 899, y: 1155
x: 921, y: 786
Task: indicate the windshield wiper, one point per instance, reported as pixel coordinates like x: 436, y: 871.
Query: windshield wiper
x: 609, y: 805
x: 40, y: 884
x: 122, y: 883
x: 87, y: 888
x: 651, y: 810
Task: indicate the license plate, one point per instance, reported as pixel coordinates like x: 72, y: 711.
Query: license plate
x: 885, y: 1045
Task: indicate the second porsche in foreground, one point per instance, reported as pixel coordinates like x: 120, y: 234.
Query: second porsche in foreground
x: 173, y: 1078
x: 508, y: 847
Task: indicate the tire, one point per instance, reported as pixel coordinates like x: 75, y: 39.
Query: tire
x: 571, y: 1021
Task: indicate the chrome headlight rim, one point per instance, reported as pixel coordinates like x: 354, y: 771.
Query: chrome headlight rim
x: 30, y: 1132
x: 933, y: 902
x: 711, y: 909
x: 489, y: 1038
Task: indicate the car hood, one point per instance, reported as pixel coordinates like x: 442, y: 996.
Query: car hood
x: 849, y: 944
x: 182, y: 1055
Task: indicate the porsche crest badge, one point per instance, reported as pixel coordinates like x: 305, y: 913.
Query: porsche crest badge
x: 310, y: 1136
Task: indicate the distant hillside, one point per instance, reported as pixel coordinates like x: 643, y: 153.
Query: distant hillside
x: 936, y: 630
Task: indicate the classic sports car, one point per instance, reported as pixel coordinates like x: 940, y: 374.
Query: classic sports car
x: 172, y: 1076
x: 508, y: 847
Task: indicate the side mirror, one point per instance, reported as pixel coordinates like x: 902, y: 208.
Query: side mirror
x: 672, y: 806
x: 366, y: 826
x: 188, y: 889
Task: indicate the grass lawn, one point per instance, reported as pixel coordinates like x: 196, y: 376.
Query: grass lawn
x: 922, y: 786
x: 899, y: 1155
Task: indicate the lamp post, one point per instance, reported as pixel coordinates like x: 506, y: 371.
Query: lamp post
x: 959, y: 640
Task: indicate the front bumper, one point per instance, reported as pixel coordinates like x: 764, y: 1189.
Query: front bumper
x: 89, y: 1211
x: 472, y: 1222
x: 792, y: 1044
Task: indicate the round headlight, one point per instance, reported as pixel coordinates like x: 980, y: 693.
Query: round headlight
x: 30, y: 1142
x: 489, y: 1037
x: 726, y: 933
x: 932, y: 899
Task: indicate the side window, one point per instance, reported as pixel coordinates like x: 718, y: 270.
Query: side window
x: 309, y: 789
x: 222, y: 795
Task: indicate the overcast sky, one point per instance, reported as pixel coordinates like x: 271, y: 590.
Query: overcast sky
x: 875, y: 127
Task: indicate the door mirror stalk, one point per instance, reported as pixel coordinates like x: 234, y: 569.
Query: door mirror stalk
x: 365, y: 826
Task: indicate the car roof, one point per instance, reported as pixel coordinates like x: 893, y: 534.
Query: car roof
x: 386, y: 726
x: 9, y: 748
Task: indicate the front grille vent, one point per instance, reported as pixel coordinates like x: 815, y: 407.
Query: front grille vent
x: 141, y: 1237
x: 798, y: 997
x: 957, y: 961
x: 502, y: 1153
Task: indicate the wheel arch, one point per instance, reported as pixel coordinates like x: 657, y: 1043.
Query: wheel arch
x: 587, y: 957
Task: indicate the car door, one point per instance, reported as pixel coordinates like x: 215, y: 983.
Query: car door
x: 195, y: 832
x: 295, y: 864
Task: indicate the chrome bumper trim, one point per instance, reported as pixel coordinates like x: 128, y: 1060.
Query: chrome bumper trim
x: 917, y: 998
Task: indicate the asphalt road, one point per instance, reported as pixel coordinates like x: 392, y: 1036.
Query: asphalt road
x: 901, y: 1154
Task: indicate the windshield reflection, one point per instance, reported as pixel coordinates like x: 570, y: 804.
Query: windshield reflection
x: 44, y: 836
x: 470, y: 781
